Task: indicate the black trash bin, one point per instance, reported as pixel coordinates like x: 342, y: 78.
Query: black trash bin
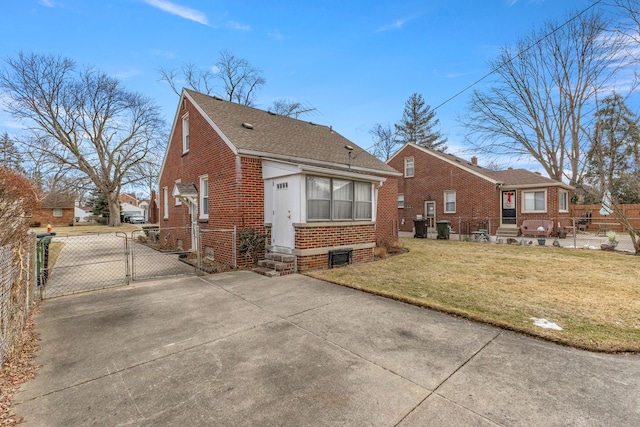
x: 42, y: 256
x: 421, y: 228
x: 444, y: 229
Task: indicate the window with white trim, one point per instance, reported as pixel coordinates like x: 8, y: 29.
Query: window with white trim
x: 449, y: 202
x: 204, y: 197
x: 178, y: 200
x: 408, y: 167
x: 400, y: 201
x: 185, y: 133
x: 57, y: 212
x: 534, y: 201
x: 334, y: 199
x: 165, y: 202
x: 563, y: 201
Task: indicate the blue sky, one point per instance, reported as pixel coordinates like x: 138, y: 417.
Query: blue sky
x: 357, y: 62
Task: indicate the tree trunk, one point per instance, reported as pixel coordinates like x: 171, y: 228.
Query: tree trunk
x: 114, y: 209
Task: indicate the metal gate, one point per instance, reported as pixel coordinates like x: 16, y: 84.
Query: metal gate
x: 98, y: 261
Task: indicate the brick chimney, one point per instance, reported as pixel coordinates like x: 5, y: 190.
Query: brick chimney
x: 474, y: 160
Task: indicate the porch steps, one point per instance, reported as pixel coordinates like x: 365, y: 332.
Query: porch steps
x: 276, y: 264
x: 507, y: 232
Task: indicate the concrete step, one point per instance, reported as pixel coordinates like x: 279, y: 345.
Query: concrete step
x: 280, y: 257
x: 275, y: 265
x: 507, y: 232
x: 266, y: 271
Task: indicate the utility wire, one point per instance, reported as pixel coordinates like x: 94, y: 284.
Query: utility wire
x: 540, y: 40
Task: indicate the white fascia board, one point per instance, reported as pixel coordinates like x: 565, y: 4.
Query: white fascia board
x: 397, y: 152
x: 212, y: 124
x: 273, y: 169
x: 173, y: 128
x: 342, y: 174
x: 539, y: 185
x: 456, y: 164
x: 297, y: 160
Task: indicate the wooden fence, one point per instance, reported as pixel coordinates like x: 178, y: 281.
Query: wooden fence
x: 595, y: 221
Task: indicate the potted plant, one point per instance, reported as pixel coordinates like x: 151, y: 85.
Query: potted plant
x: 612, y: 241
x: 541, y: 239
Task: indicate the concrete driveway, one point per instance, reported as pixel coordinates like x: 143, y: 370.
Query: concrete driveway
x: 238, y: 349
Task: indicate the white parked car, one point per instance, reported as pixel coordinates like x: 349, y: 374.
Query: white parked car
x: 136, y: 219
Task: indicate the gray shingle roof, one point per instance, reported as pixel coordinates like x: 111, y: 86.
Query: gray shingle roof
x: 252, y: 130
x: 508, y: 177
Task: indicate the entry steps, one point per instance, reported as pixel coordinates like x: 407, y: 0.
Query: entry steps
x: 276, y: 264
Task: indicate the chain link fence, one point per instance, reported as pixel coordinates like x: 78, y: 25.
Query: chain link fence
x: 73, y: 264
x: 585, y: 231
x: 17, y: 284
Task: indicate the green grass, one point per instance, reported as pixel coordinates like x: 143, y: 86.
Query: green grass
x: 593, y: 295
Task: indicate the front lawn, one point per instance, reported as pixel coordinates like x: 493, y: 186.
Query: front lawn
x: 594, y: 296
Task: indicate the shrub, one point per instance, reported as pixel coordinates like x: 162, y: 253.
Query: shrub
x: 252, y: 244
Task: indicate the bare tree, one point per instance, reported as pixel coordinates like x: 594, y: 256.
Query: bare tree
x: 202, y: 81
x: 82, y: 119
x: 385, y: 141
x: 240, y: 78
x: 289, y: 108
x: 541, y: 102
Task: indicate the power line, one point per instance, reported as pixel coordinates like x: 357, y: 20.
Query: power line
x: 517, y: 56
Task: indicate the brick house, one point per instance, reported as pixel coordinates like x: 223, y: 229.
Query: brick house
x: 440, y: 186
x: 128, y: 198
x: 56, y: 209
x: 311, y: 191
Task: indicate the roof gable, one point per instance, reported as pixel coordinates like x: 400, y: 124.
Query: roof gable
x: 507, y: 177
x: 261, y: 133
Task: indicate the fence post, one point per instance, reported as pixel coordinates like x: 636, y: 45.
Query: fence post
x: 198, y: 235
x: 129, y: 268
x: 233, y: 245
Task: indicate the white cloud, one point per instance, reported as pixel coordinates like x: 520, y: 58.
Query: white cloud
x: 127, y: 73
x: 395, y: 25
x: 47, y: 3
x: 181, y: 11
x: 166, y: 53
x: 237, y: 26
x: 276, y: 35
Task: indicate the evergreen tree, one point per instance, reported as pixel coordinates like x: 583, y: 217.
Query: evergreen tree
x: 10, y: 157
x: 613, y: 158
x: 418, y: 125
x: 99, y: 204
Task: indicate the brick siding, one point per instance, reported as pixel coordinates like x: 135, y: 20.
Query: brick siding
x: 477, y: 199
x: 236, y: 198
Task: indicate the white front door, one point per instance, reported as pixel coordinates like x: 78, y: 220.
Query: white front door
x: 282, y: 231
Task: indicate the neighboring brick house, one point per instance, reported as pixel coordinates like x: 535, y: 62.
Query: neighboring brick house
x: 307, y: 188
x: 128, y: 198
x: 440, y: 186
x: 55, y: 209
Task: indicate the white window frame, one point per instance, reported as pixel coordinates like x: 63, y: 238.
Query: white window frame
x: 409, y: 167
x: 400, y: 201
x: 354, y: 201
x: 57, y: 212
x: 178, y: 200
x: 165, y: 202
x: 525, y: 208
x: 204, y: 197
x: 185, y: 133
x: 563, y: 199
x: 447, y: 201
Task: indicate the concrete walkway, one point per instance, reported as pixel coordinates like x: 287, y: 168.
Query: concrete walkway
x: 239, y: 349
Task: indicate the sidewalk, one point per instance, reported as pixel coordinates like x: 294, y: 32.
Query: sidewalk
x: 579, y: 241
